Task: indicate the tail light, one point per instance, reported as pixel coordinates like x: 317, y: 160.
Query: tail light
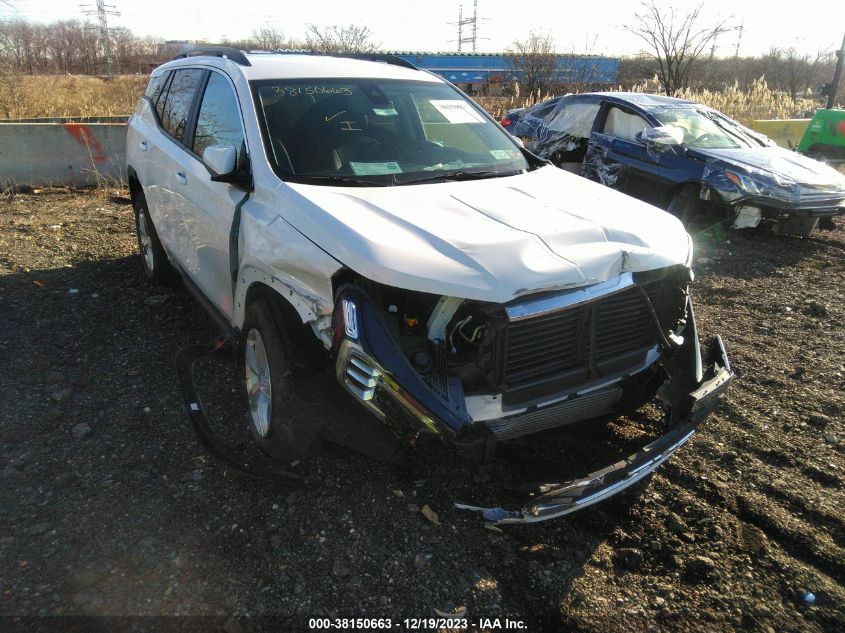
x: 505, y: 121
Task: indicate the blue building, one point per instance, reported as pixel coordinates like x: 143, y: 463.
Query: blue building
x: 491, y: 73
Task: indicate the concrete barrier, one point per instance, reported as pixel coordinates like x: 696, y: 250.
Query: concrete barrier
x: 76, y: 152
x: 785, y: 132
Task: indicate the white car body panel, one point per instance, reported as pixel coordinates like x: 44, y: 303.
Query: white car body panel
x: 491, y: 240
x: 151, y: 163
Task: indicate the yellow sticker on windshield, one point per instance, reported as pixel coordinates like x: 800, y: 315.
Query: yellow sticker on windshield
x: 457, y: 111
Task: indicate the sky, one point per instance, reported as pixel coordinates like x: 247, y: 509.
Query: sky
x: 576, y: 27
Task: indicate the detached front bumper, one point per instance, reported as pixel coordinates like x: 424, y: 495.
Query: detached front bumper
x: 688, y: 409
x: 370, y: 365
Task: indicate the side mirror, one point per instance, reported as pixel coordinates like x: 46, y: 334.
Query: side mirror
x: 220, y: 160
x: 661, y: 138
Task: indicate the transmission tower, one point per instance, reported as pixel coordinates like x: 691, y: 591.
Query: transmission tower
x: 103, y: 11
x: 739, y: 37
x: 469, y: 22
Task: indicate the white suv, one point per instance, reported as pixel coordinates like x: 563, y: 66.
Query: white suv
x: 364, y: 218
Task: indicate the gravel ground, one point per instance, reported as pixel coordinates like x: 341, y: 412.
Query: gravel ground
x: 109, y: 506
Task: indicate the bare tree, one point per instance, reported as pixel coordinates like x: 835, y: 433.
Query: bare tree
x: 676, y: 42
x: 340, y: 39
x: 269, y: 38
x: 535, y: 63
x: 795, y: 72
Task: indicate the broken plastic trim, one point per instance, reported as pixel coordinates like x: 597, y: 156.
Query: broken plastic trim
x: 548, y: 501
x: 186, y: 358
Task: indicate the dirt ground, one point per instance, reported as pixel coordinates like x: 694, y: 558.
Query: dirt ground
x: 109, y: 506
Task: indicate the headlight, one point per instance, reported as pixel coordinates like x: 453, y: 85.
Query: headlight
x: 743, y: 183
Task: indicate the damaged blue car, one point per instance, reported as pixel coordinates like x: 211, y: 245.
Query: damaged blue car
x: 682, y: 156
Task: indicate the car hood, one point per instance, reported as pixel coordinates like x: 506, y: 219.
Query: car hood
x: 493, y: 239
x: 779, y: 164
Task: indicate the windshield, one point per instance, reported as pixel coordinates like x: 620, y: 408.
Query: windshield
x: 379, y: 132
x: 705, y: 129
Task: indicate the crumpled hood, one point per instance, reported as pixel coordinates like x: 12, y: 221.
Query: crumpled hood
x: 491, y: 240
x: 779, y: 164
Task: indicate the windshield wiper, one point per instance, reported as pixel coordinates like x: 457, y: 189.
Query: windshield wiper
x: 459, y: 175
x: 343, y: 181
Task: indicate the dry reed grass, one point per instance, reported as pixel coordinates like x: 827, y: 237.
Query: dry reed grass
x: 758, y: 102
x: 73, y: 95
x: 25, y: 96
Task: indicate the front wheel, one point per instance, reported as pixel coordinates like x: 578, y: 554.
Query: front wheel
x: 803, y: 227
x: 686, y: 206
x: 281, y: 429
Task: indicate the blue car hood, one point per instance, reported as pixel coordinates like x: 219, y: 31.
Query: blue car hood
x: 779, y: 164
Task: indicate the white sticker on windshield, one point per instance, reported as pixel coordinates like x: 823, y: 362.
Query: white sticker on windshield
x: 503, y: 154
x: 375, y: 169
x: 385, y: 111
x: 457, y: 111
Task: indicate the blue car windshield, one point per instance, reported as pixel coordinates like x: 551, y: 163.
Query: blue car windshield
x: 705, y: 129
x: 371, y: 132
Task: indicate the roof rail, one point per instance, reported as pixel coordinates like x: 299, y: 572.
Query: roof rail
x: 370, y: 57
x: 387, y: 58
x: 226, y: 52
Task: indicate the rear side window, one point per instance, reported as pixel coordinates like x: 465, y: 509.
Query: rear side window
x: 176, y: 108
x: 219, y: 121
x: 160, y: 96
x: 156, y: 87
x: 576, y: 119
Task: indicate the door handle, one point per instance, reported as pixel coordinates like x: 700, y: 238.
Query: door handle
x: 181, y: 178
x: 143, y: 145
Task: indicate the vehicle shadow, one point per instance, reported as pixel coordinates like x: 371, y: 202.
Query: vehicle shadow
x: 93, y: 414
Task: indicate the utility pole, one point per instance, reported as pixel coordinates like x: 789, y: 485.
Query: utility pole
x: 102, y: 12
x: 833, y: 88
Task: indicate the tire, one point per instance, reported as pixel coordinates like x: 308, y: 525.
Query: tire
x: 157, y: 267
x: 278, y: 425
x: 686, y: 206
x: 826, y: 224
x: 803, y: 227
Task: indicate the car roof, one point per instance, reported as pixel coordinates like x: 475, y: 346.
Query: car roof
x: 285, y: 65
x: 645, y: 100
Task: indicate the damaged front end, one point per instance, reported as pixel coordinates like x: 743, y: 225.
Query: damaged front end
x: 756, y: 197
x: 477, y: 374
x: 688, y: 403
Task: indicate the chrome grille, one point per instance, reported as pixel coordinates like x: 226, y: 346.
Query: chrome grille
x: 588, y: 339
x: 623, y: 324
x: 536, y: 347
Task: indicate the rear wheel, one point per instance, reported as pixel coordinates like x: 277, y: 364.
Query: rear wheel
x: 154, y: 260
